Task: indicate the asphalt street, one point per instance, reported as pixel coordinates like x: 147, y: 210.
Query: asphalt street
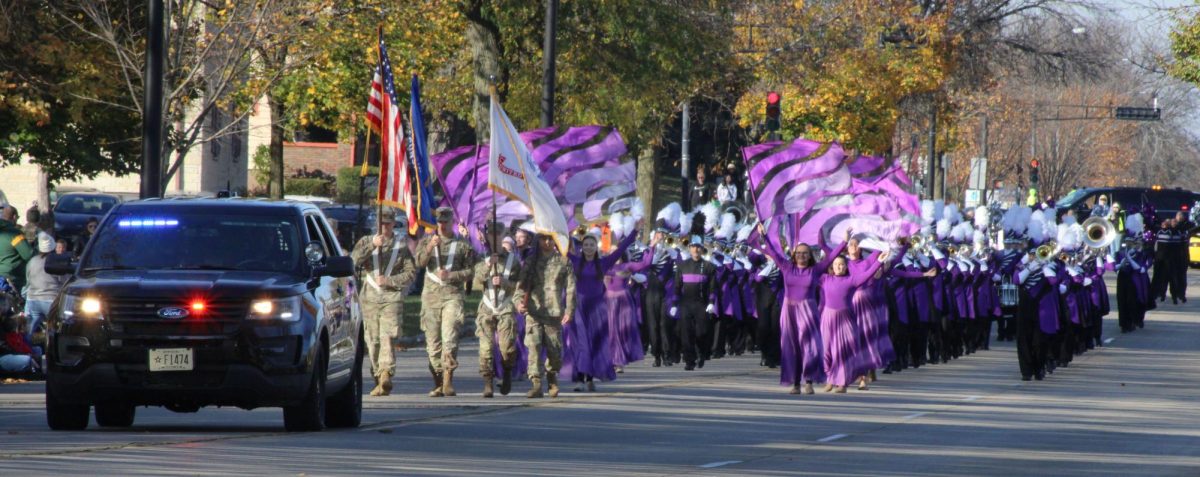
x: 1128, y: 408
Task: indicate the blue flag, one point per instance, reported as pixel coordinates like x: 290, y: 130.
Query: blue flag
x: 420, y: 158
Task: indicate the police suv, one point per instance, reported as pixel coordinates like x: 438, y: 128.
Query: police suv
x: 186, y: 303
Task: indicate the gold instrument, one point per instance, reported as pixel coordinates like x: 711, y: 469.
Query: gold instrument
x: 1098, y: 232
x: 1045, y: 251
x: 580, y: 232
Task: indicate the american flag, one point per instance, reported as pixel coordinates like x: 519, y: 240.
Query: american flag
x: 385, y: 117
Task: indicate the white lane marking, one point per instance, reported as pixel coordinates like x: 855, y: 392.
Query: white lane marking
x: 833, y: 438
x: 1110, y: 340
x: 972, y: 398
x: 914, y: 416
x: 713, y: 465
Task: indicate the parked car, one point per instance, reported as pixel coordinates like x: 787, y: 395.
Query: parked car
x: 1166, y: 201
x: 351, y: 222
x: 72, y: 211
x: 187, y: 303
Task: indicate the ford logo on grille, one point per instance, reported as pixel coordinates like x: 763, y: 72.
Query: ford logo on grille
x: 172, y: 313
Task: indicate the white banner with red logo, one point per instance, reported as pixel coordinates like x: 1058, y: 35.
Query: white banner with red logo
x: 512, y: 172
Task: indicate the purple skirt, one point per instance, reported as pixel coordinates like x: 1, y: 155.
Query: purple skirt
x: 876, y: 345
x: 800, y: 343
x: 585, y: 341
x: 841, y: 359
x: 624, y: 336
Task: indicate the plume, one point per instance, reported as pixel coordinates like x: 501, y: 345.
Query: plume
x: 1134, y: 224
x: 983, y: 217
x: 670, y: 214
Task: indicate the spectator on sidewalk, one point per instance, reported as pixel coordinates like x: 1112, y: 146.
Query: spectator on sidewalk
x: 727, y: 191
x: 42, y: 287
x: 16, y: 356
x: 15, y: 251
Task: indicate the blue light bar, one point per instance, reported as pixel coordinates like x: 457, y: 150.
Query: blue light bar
x: 148, y: 222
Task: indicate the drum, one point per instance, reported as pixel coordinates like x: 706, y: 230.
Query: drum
x: 1008, y: 294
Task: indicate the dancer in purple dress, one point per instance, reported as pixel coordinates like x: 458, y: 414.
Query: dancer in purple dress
x: 842, y: 360
x: 585, y: 357
x: 624, y: 311
x: 800, y: 361
x: 870, y: 314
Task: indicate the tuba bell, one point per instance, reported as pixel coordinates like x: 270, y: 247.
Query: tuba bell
x: 1098, y: 232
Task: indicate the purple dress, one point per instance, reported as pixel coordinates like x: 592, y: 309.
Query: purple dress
x: 869, y: 305
x: 624, y: 312
x: 842, y: 359
x: 585, y: 338
x: 800, y: 337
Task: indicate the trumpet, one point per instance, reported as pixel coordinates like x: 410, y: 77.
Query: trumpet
x: 580, y: 232
x: 1045, y: 251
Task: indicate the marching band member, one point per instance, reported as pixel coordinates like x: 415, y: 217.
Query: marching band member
x: 694, y: 288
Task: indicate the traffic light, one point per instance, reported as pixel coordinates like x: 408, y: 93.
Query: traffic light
x: 1137, y: 114
x: 1033, y: 172
x: 773, y: 100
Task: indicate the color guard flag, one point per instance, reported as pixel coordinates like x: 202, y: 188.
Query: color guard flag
x: 386, y: 118
x: 512, y: 172
x: 422, y: 213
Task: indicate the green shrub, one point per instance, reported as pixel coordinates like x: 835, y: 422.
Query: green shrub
x: 348, y: 184
x: 305, y: 186
x: 262, y: 167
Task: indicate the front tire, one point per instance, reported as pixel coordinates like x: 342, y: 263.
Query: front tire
x: 117, y: 414
x: 345, y: 407
x: 62, y: 416
x: 309, y: 415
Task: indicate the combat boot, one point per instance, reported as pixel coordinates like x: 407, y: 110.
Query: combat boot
x: 487, y: 386
x: 378, y: 390
x: 437, y: 383
x: 552, y: 381
x: 506, y: 382
x: 536, y: 390
x: 448, y: 383
x: 385, y: 383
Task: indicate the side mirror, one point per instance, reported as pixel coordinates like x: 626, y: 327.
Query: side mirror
x: 59, y: 264
x: 337, y: 267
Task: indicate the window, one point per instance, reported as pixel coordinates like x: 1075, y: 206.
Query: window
x: 196, y: 241
x: 85, y: 204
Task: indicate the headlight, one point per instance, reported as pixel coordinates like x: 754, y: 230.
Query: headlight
x: 284, y: 309
x: 84, y: 307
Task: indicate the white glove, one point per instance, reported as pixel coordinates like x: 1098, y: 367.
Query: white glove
x: 1025, y: 259
x: 710, y: 309
x: 1087, y: 282
x: 995, y: 277
x: 1048, y: 270
x: 1022, y: 275
x: 1062, y: 289
x: 672, y: 311
x: 638, y: 277
x: 1072, y: 272
x: 983, y: 266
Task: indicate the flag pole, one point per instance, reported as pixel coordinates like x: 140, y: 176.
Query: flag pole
x: 378, y: 203
x: 495, y: 222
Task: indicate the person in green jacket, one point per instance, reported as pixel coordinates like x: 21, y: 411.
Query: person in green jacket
x: 15, y: 251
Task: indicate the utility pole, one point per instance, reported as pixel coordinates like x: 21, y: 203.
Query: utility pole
x: 548, y: 49
x: 932, y: 164
x: 152, y: 116
x: 685, y: 157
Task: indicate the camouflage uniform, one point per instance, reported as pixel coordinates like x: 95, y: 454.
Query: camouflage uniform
x: 495, y: 314
x: 547, y: 287
x: 442, y: 299
x: 382, y: 297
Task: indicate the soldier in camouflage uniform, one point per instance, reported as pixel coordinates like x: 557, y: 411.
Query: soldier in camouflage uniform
x: 448, y: 263
x: 496, y: 277
x: 546, y: 295
x: 386, y: 269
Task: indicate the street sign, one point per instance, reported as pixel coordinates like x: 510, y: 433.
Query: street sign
x: 978, y: 177
x: 972, y: 198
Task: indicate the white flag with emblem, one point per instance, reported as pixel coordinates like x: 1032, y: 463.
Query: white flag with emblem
x: 512, y: 172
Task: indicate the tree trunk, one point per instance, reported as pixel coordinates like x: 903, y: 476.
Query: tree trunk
x: 647, y: 177
x: 483, y: 39
x: 275, y: 185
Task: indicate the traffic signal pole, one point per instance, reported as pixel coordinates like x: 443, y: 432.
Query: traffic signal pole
x: 152, y: 107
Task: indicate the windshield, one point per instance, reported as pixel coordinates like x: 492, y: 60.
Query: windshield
x: 85, y: 204
x: 1072, y: 198
x: 195, y: 241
